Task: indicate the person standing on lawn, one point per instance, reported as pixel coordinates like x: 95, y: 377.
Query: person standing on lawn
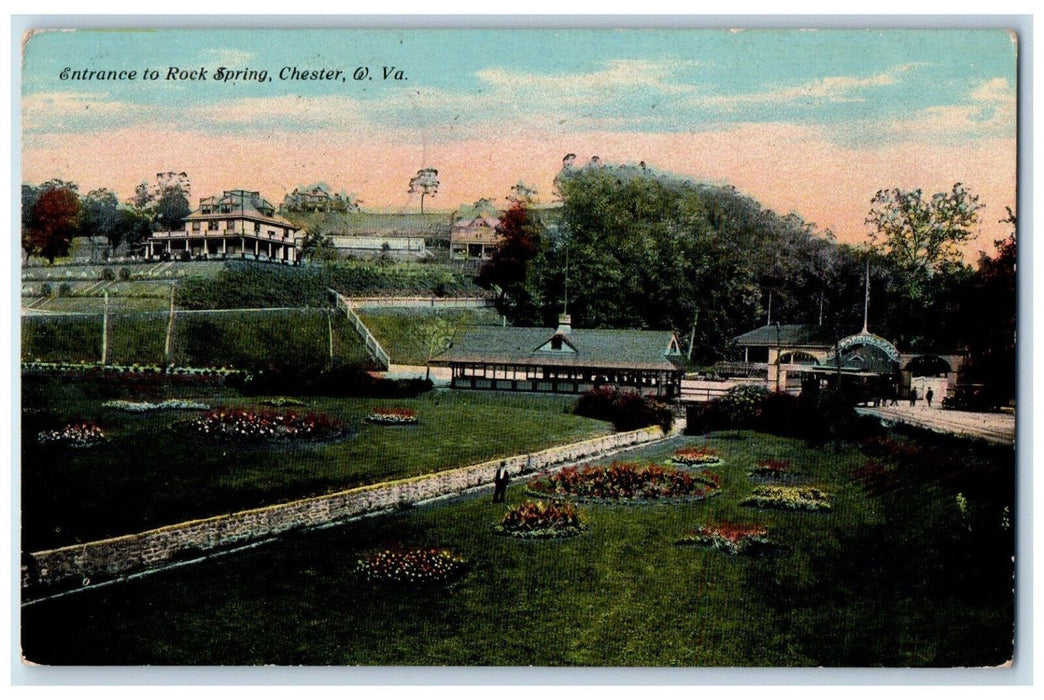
x: 500, y: 482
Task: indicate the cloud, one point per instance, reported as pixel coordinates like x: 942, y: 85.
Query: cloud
x: 593, y: 86
x: 837, y: 88
x: 227, y: 57
x: 989, y: 111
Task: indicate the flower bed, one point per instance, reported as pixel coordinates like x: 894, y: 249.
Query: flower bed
x: 624, y: 481
x: 788, y: 498
x: 73, y: 435
x: 541, y: 519
x: 145, y: 406
x: 731, y: 538
x: 392, y: 416
x: 695, y: 455
x: 771, y: 469
x: 240, y: 424
x: 412, y: 567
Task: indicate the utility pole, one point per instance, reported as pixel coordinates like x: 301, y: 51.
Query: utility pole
x: 170, y: 329
x: 329, y: 332
x: 692, y: 336
x: 105, y: 330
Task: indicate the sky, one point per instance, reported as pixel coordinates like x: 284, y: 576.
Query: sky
x: 812, y: 122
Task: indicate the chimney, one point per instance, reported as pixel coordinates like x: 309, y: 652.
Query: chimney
x: 564, y: 324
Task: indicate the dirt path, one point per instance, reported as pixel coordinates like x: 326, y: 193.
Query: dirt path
x: 994, y: 427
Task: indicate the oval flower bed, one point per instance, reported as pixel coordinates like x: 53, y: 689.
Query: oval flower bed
x: 772, y: 470
x: 145, y: 406
x: 244, y: 425
x: 788, y: 498
x: 392, y: 416
x: 732, y: 538
x: 541, y: 519
x: 423, y: 566
x: 694, y: 456
x: 625, y: 481
x: 73, y: 435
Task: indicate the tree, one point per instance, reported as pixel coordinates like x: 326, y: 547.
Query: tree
x: 521, y: 192
x: 171, y: 208
x: 53, y: 219
x: 100, y: 215
x: 317, y: 244
x: 426, y: 182
x: 923, y: 236
x: 510, y: 269
x: 988, y: 316
x: 166, y: 201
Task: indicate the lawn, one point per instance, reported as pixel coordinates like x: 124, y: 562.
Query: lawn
x: 406, y: 333
x: 147, y: 474
x: 900, y: 577
x: 245, y: 339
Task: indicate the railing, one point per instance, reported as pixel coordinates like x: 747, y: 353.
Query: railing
x: 372, y: 346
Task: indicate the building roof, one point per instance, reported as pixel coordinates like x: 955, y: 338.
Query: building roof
x: 595, y: 348
x: 790, y: 335
x: 242, y: 204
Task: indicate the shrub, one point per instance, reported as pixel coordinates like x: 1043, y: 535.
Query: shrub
x: 124, y: 274
x: 107, y: 274
x: 46, y: 290
x: 64, y: 289
x: 626, y: 409
x: 184, y: 256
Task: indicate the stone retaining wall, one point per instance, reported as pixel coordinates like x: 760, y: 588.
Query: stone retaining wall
x: 119, y: 556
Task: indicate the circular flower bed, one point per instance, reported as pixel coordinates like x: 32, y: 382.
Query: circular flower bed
x: 392, y: 416
x: 412, y: 567
x: 541, y: 519
x: 73, y: 435
x: 625, y: 481
x: 240, y: 424
x: 788, y: 498
x: 695, y: 455
x: 731, y: 538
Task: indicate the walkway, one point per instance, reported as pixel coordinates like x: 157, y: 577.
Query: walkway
x: 993, y: 427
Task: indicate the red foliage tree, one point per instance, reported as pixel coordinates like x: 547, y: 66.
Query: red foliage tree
x: 53, y: 221
x: 511, y: 265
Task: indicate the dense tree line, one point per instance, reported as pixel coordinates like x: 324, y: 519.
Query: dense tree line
x: 54, y: 212
x: 641, y: 249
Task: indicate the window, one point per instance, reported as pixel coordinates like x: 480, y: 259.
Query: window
x: 556, y: 343
x: 195, y: 226
x: 230, y: 225
x: 212, y: 225
x: 257, y: 227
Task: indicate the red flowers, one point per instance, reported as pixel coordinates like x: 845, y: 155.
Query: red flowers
x: 412, y: 567
x: 392, y: 416
x: 83, y: 434
x: 733, y: 538
x: 541, y: 519
x: 771, y: 468
x: 625, y: 481
x: 241, y: 424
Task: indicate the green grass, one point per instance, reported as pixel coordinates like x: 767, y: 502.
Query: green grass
x: 148, y: 475
x: 402, y: 332
x: 622, y: 594
x: 242, y: 339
